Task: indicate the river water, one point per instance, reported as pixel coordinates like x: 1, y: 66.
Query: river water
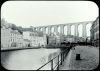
x: 27, y: 59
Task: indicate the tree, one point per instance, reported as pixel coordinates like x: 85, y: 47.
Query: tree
x: 14, y: 27
x: 20, y: 29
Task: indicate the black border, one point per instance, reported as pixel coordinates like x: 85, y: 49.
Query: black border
x: 1, y: 3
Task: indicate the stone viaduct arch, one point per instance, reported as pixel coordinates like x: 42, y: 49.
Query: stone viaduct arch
x: 60, y: 28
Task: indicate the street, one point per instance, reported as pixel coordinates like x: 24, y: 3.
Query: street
x: 89, y: 56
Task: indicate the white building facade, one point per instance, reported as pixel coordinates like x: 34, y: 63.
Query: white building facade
x: 10, y: 38
x: 16, y: 39
x: 95, y: 33
x: 35, y: 39
x: 26, y: 43
x: 5, y: 37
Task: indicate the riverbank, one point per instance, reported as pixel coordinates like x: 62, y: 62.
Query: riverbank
x: 89, y: 59
x: 28, y: 59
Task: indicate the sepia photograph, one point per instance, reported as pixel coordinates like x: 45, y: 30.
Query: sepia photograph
x: 49, y: 35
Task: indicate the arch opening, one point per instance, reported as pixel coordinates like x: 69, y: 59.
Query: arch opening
x: 59, y: 29
x: 65, y: 30
x: 41, y: 29
x: 72, y: 30
x: 52, y: 30
x: 80, y: 30
x: 46, y: 30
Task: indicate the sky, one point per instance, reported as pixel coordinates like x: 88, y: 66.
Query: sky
x: 42, y: 13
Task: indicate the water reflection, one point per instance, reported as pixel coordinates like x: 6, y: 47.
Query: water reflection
x: 28, y: 59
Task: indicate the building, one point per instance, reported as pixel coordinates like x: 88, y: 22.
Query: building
x: 36, y: 38
x: 68, y: 39
x: 5, y: 37
x: 95, y: 33
x: 11, y: 38
x: 71, y: 39
x: 26, y: 43
x: 54, y: 39
x: 58, y: 39
x: 16, y: 39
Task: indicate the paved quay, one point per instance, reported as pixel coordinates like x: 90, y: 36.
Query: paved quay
x: 89, y: 56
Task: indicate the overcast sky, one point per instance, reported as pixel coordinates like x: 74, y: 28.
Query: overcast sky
x: 39, y: 13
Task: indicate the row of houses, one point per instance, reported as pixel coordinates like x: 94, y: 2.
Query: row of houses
x: 57, y: 39
x: 95, y: 33
x: 10, y: 38
x: 13, y: 38
x: 36, y: 38
x: 53, y: 39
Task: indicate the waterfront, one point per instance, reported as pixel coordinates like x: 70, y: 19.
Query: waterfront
x: 27, y: 59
